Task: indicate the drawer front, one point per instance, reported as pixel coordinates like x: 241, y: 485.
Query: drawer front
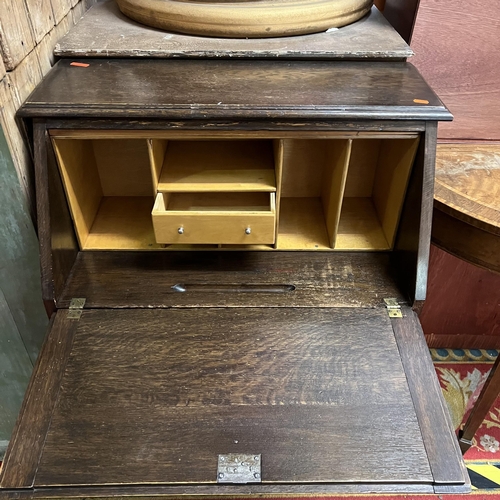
x: 238, y: 227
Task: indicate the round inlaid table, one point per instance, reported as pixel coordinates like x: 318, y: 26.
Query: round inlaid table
x: 466, y: 223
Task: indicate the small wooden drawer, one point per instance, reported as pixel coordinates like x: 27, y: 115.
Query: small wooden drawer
x: 219, y: 218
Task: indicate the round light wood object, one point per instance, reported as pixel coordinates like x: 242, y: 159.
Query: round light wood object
x: 245, y: 18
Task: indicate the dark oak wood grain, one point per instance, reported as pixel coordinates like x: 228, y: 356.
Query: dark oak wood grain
x: 402, y: 15
x: 63, y: 243
x: 411, y: 255
x: 28, y: 438
x: 426, y: 204
x: 58, y: 246
x: 40, y: 138
x: 321, y: 279
x: 106, y: 32
x: 180, y: 356
x: 437, y: 431
x: 194, y: 89
x: 273, y: 128
x: 195, y: 383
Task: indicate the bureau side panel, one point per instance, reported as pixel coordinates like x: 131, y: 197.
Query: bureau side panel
x: 58, y: 245
x: 412, y: 247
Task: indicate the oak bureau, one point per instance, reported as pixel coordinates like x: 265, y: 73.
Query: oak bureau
x: 233, y: 252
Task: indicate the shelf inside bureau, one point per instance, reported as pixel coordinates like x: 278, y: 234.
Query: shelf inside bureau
x: 122, y: 223
x: 358, y: 228
x: 330, y: 194
x: 205, y: 166
x: 109, y: 190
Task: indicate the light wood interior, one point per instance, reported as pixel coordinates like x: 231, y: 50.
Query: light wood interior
x: 215, y: 218
x: 228, y: 166
x: 216, y: 202
x: 314, y: 174
x: 110, y: 192
x: 343, y: 193
x: 123, y: 223
x: 351, y: 190
x: 157, y: 149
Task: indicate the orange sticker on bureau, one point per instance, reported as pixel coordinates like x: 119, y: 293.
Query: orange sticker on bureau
x: 420, y: 101
x: 80, y: 65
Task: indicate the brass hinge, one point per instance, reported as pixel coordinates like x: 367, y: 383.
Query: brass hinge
x: 76, y: 308
x: 393, y: 308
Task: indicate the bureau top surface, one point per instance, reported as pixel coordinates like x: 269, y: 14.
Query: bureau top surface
x: 106, y: 32
x: 234, y: 89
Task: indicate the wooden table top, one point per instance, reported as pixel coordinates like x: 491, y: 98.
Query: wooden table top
x: 106, y: 32
x: 467, y: 202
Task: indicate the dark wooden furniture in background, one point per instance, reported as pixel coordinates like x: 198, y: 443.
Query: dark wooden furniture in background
x: 401, y: 14
x: 165, y: 359
x: 466, y: 223
x: 471, y: 319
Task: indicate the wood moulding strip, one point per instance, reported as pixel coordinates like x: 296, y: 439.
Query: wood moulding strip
x: 173, y: 492
x: 25, y: 449
x: 442, y: 447
x: 74, y: 133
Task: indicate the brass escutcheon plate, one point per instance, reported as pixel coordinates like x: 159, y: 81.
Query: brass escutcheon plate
x: 237, y: 468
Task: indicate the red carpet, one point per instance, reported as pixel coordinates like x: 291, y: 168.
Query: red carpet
x: 461, y: 380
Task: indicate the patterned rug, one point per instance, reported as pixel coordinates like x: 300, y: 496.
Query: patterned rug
x: 462, y: 373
